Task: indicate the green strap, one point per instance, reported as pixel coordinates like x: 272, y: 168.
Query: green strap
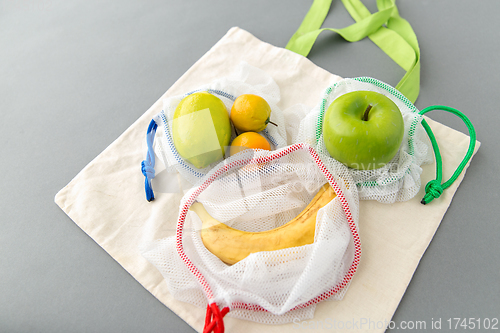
x: 434, y: 188
x: 386, y: 28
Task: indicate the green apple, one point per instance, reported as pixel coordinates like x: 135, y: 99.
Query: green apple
x: 201, y: 129
x: 363, y: 129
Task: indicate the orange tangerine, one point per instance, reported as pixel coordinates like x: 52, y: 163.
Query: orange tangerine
x: 248, y: 140
x: 250, y: 113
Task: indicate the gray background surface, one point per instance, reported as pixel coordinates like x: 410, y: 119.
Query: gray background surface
x: 75, y: 74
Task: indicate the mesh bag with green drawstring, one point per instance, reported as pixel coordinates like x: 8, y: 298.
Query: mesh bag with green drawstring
x: 398, y: 180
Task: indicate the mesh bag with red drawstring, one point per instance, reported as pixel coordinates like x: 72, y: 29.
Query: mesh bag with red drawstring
x: 257, y: 190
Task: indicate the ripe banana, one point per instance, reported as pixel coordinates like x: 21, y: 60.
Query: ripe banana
x: 231, y: 245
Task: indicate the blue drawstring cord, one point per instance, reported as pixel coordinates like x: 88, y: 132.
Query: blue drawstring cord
x: 148, y: 165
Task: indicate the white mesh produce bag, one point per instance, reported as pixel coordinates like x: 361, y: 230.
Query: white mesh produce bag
x: 398, y: 180
x: 255, y: 191
x: 246, y: 79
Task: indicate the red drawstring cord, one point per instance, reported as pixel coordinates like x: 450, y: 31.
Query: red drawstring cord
x: 214, y: 319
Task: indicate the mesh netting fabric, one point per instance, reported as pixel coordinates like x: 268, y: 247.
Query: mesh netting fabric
x: 399, y: 180
x: 256, y: 191
x: 246, y: 79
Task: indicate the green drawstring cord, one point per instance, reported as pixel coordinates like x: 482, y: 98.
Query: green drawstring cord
x: 434, y: 188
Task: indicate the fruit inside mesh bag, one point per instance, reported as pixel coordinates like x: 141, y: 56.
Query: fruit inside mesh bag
x: 265, y: 236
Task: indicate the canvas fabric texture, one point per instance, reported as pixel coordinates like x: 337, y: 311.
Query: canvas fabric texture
x: 107, y: 201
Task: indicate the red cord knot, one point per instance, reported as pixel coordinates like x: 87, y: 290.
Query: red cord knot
x: 214, y: 321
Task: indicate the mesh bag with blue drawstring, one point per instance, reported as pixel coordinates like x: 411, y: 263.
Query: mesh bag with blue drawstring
x: 246, y: 79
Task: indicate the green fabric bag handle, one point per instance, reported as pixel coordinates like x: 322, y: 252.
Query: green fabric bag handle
x: 386, y: 28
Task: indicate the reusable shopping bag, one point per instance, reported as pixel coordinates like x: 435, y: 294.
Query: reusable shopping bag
x: 246, y: 79
x: 107, y: 201
x: 398, y: 180
x: 257, y: 191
